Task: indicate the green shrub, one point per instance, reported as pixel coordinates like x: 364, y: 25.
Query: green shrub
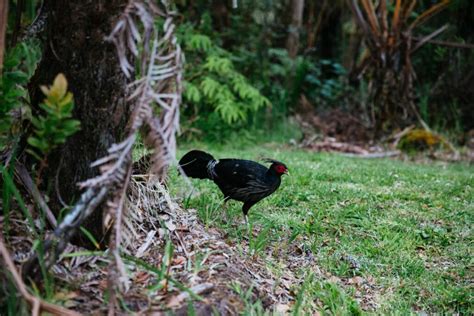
x: 215, y: 86
x: 53, y: 128
x: 18, y: 66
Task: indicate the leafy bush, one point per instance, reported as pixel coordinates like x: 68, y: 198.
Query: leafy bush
x: 216, y: 93
x: 19, y: 65
x: 321, y: 81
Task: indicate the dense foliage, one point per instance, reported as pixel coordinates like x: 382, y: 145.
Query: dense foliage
x: 326, y: 70
x: 19, y: 65
x: 215, y: 90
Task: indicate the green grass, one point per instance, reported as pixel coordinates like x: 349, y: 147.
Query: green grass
x: 407, y: 227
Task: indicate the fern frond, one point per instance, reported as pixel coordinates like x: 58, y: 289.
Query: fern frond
x: 199, y: 42
x: 210, y: 88
x: 191, y: 92
x: 220, y: 65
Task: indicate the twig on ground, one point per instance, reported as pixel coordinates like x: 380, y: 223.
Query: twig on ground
x: 197, y: 289
x: 396, y: 138
x: 116, y: 275
x: 63, y: 233
x: 183, y: 245
x: 35, y: 193
x: 36, y: 303
x: 384, y: 154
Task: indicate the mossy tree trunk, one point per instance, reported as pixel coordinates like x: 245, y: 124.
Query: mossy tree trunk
x: 75, y: 45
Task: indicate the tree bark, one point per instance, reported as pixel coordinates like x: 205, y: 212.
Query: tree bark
x: 293, y: 40
x: 3, y: 29
x: 75, y: 45
x: 314, y: 24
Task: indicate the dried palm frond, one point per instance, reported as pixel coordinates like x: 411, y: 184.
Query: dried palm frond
x: 150, y: 208
x: 157, y: 90
x: 387, y: 57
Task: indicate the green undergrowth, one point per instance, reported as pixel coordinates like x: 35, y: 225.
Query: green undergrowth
x: 403, y: 228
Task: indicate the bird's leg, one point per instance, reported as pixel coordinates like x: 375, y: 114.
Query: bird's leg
x: 245, y: 210
x: 226, y: 215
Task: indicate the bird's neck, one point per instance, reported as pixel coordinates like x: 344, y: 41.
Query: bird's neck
x: 272, y: 173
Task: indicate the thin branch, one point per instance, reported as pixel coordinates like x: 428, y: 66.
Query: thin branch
x: 55, y: 245
x: 359, y: 17
x: 396, y: 17
x: 36, y: 303
x: 117, y: 275
x: 371, y: 16
x: 446, y: 43
x: 422, y: 18
x: 34, y: 193
x: 427, y: 38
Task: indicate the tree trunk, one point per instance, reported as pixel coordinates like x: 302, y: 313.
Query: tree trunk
x: 293, y: 40
x: 350, y: 54
x: 3, y: 30
x: 75, y: 45
x: 314, y: 23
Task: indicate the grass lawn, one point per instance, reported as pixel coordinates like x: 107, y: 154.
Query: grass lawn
x: 389, y: 236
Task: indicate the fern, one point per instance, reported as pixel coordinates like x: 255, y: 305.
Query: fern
x: 231, y: 111
x: 219, y: 65
x: 214, y: 84
x: 210, y: 88
x: 198, y: 42
x: 192, y: 92
x: 249, y: 93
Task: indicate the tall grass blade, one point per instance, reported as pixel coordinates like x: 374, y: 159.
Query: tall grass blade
x: 10, y: 185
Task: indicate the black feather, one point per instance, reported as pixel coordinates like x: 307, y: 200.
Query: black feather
x: 194, y: 164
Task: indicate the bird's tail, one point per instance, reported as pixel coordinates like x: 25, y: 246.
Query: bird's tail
x: 194, y: 164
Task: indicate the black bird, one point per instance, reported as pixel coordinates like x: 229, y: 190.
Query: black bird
x: 242, y: 180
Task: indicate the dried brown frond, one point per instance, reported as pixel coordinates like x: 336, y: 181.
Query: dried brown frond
x: 148, y: 204
x: 159, y: 88
x: 429, y: 13
x: 370, y: 12
x: 155, y: 96
x: 396, y: 16
x: 388, y: 64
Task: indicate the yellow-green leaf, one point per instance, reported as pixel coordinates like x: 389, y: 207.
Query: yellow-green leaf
x: 59, y: 88
x: 45, y: 90
x: 67, y: 99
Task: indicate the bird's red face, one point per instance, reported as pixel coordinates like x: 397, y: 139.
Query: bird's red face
x: 280, y: 169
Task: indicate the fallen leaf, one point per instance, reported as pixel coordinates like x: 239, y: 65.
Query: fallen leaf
x: 141, y: 277
x: 170, y: 225
x: 176, y: 300
x: 179, y: 260
x: 282, y: 308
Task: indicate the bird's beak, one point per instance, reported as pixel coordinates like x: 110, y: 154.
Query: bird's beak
x: 287, y: 172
